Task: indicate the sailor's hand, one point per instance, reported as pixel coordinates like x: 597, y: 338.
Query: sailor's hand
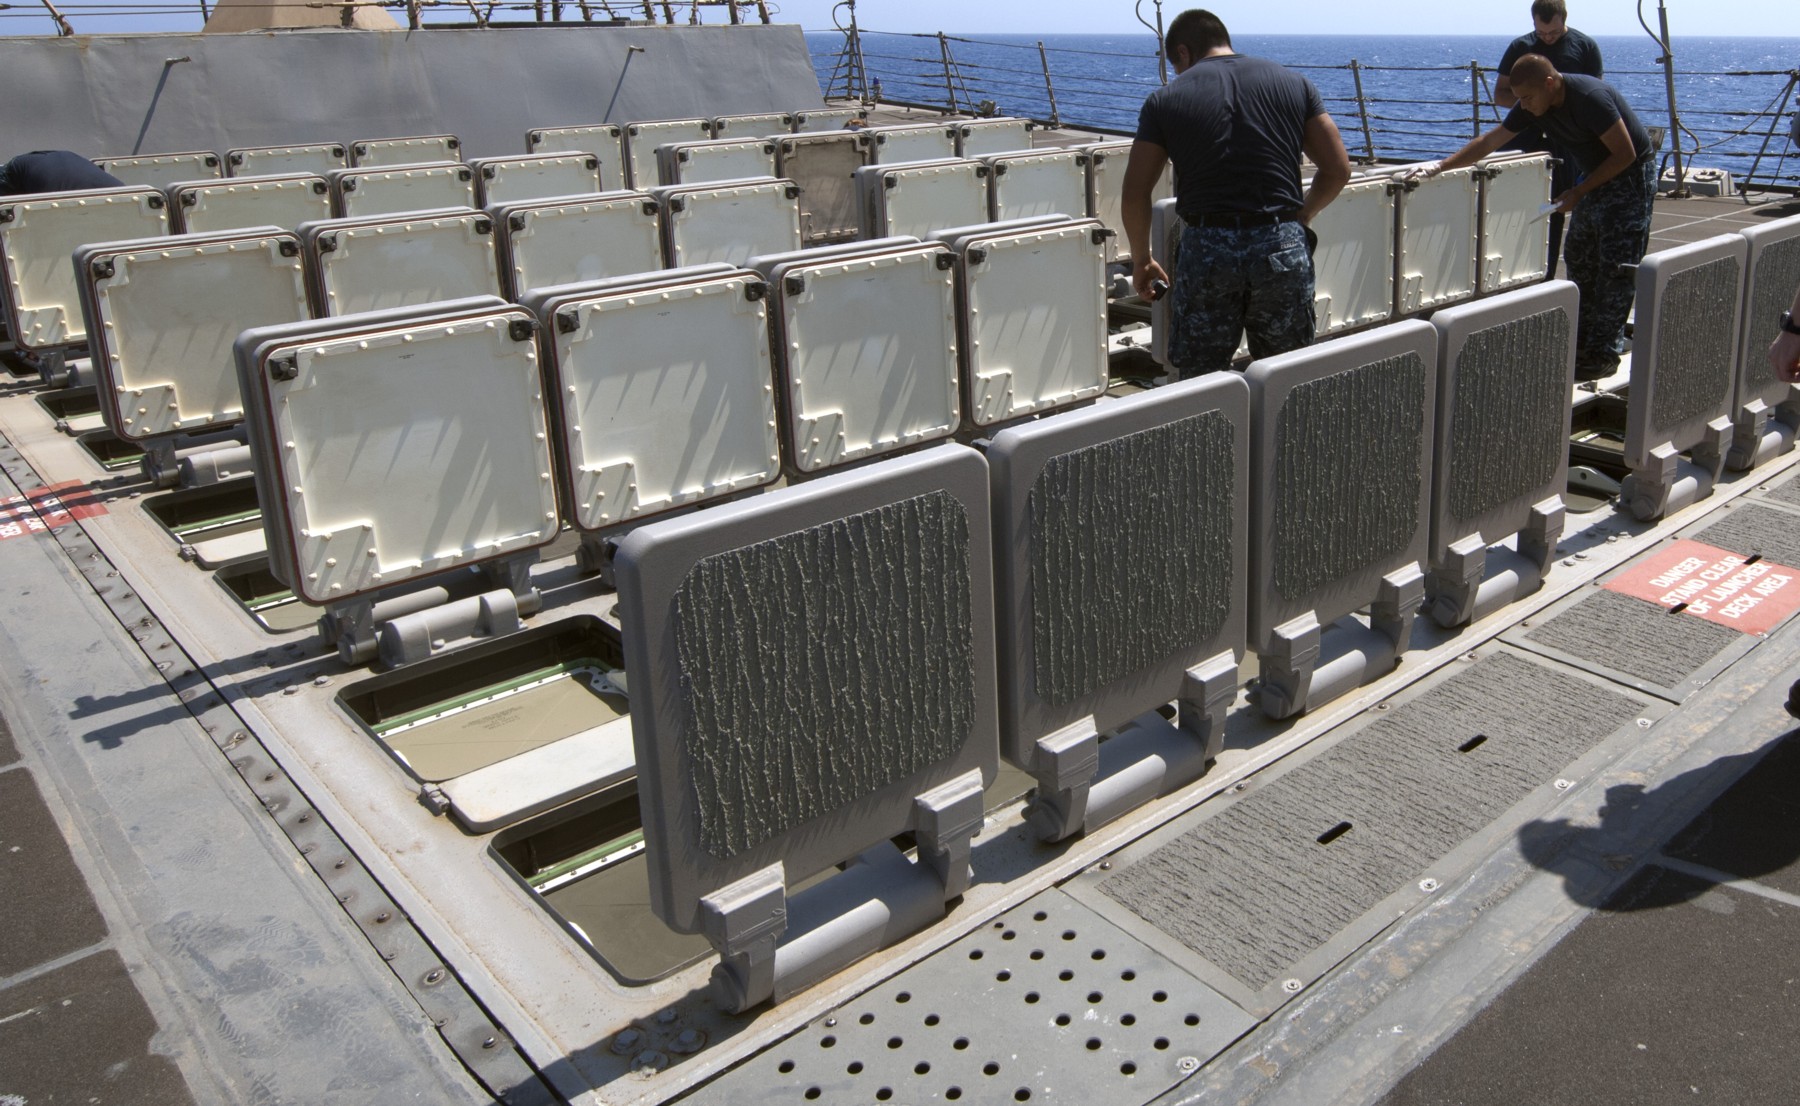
x: 1784, y: 357
x: 1425, y: 170
x: 1145, y: 274
x: 1566, y: 202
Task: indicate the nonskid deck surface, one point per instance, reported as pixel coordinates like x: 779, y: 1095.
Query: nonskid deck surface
x: 548, y: 1004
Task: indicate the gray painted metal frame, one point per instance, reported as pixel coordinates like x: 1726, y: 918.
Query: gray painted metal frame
x: 1683, y: 370
x: 1765, y: 409
x: 1502, y: 416
x: 1360, y: 390
x: 1055, y: 736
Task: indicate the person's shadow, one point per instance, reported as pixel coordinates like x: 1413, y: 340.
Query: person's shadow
x: 1738, y: 816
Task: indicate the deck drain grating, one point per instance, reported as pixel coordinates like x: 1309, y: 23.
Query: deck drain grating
x: 1660, y: 647
x: 1049, y: 1002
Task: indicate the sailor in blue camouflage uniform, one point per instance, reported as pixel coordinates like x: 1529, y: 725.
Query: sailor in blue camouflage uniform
x: 1234, y: 127
x: 1609, y: 224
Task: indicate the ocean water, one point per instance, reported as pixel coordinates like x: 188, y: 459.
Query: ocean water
x: 1417, y: 88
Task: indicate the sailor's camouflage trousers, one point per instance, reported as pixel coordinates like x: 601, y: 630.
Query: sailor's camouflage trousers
x: 1232, y: 280
x: 1608, y: 230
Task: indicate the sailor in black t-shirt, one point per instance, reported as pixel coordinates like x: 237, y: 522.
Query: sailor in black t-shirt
x: 1234, y: 127
x: 52, y: 171
x: 1568, y: 51
x: 1609, y: 225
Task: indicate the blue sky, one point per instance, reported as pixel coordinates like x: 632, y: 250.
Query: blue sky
x: 1434, y: 17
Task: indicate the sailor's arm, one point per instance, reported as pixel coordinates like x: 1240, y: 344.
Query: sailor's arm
x: 1325, y: 147
x: 1143, y: 169
x: 1474, y: 151
x: 1620, y: 155
x: 1504, y: 96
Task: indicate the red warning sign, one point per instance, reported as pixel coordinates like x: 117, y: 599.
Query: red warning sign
x: 43, y: 509
x: 1733, y: 590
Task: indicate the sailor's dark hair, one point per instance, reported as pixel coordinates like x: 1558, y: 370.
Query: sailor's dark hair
x: 1547, y: 10
x: 1531, y: 69
x: 1197, y: 29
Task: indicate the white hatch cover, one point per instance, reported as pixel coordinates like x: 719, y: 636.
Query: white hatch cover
x: 1515, y: 232
x: 409, y: 451
x: 38, y: 236
x: 561, y: 242
x: 603, y: 140
x: 642, y: 139
x: 1026, y: 185
x: 389, y: 190
x: 754, y: 125
x: 667, y: 397
x: 869, y: 346
x: 366, y: 266
x: 1105, y: 163
x: 731, y: 224
x: 723, y: 159
x: 825, y: 119
x: 824, y: 166
x: 258, y: 161
x: 911, y: 143
x: 981, y: 137
x: 161, y: 170
x: 1353, y: 267
x: 169, y: 313
x: 285, y: 200
x: 917, y: 199
x: 500, y: 180
x: 368, y: 152
x: 1035, y: 318
x: 1438, y: 231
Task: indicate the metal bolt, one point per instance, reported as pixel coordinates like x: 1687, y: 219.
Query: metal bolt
x: 1564, y: 785
x: 291, y: 689
x: 1428, y: 885
x: 489, y: 1042
x: 1187, y: 1065
x: 666, y: 1017
x: 649, y: 1060
x: 1643, y: 723
x: 688, y: 1041
x: 321, y: 681
x: 626, y: 1040
x: 434, y: 977
x: 1291, y: 986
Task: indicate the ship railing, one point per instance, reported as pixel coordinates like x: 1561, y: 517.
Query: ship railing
x: 1387, y: 112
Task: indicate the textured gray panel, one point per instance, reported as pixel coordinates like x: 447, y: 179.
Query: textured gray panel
x: 1636, y: 637
x: 1253, y: 890
x: 1507, y: 429
x: 1347, y: 472
x: 1694, y: 342
x: 1788, y: 491
x: 1048, y: 1003
x: 1772, y: 287
x: 1131, y: 553
x: 799, y: 661
x: 1753, y: 530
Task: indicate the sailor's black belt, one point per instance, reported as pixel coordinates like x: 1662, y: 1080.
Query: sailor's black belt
x: 1245, y: 219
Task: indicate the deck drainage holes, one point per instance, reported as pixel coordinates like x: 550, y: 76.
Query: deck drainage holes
x: 827, y: 1041
x: 960, y: 1043
x: 1093, y: 1044
x: 1008, y: 935
x: 922, y: 1068
x: 855, y: 1067
x: 1472, y: 744
x: 903, y: 996
x: 1040, y: 916
x: 1023, y: 1094
x: 1128, y: 1068
x: 990, y: 1068
x: 931, y: 1019
x: 975, y: 954
x: 1678, y: 608
x: 1097, y: 954
x: 1068, y: 935
x: 1003, y: 975
x: 1037, y: 954
x: 1160, y: 1044
x: 1065, y: 975
x: 1128, y: 975
x: 895, y: 1042
x: 1094, y: 998
x: 952, y: 1093
x: 866, y: 1019
x: 1031, y: 997
x: 1128, y: 1019
x: 1334, y: 833
x: 812, y: 1093
x: 785, y: 1067
x: 1191, y: 1020
x: 884, y: 1094
x: 1063, y: 1019
x: 1159, y: 996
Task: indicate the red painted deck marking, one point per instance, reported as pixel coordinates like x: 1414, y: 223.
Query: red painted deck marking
x: 44, y: 509
x: 1715, y: 584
